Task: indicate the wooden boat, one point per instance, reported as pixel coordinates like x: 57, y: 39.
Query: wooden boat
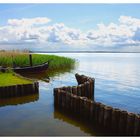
x: 37, y: 68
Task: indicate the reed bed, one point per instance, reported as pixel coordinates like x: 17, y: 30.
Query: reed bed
x: 21, y: 59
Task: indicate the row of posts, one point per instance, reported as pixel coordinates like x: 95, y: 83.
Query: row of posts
x: 19, y: 90
x: 116, y: 121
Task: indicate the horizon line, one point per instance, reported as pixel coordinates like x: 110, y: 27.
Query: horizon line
x: 83, y: 52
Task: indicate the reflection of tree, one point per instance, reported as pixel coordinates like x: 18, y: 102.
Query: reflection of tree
x: 19, y: 100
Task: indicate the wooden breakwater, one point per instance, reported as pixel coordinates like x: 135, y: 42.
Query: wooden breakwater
x: 116, y: 121
x: 85, y: 87
x: 19, y: 90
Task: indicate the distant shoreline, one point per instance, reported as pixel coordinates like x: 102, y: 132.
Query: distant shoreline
x: 79, y: 52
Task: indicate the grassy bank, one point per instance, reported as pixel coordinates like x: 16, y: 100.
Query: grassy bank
x: 22, y: 59
x: 7, y: 79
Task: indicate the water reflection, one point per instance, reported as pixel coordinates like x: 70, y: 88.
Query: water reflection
x: 19, y: 100
x: 89, y: 128
x: 48, y: 75
x: 75, y: 121
x: 117, y: 84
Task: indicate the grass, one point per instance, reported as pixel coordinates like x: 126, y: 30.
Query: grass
x: 22, y: 59
x: 7, y: 79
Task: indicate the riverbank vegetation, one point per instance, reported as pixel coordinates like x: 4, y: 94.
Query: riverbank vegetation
x: 21, y: 59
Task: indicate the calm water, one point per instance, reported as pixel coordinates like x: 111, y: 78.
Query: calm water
x: 117, y: 84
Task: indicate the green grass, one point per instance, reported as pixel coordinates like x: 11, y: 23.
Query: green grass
x: 22, y: 59
x: 7, y: 79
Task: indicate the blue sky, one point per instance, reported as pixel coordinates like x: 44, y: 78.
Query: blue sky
x: 83, y: 17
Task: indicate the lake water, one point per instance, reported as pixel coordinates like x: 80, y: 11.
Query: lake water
x: 117, y: 83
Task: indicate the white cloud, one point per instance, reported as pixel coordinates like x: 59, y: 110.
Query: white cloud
x: 36, y: 30
x: 28, y: 21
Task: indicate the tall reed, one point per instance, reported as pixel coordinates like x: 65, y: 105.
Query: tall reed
x: 21, y: 59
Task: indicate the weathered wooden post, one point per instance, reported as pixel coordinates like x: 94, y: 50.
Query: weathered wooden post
x: 101, y: 114
x: 30, y: 59
x: 87, y: 89
x: 88, y: 108
x: 59, y: 98
x: 115, y: 120
x: 82, y: 90
x: 68, y: 101
x: 92, y: 84
x: 74, y: 90
x: 63, y: 93
x: 97, y: 110
x: 91, y: 111
x: 55, y: 96
x: 78, y: 104
x: 74, y: 104
x: 123, y: 123
x: 107, y: 117
x: 79, y: 90
x: 137, y: 125
x: 130, y: 124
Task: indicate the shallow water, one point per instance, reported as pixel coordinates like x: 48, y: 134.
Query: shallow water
x: 117, y: 84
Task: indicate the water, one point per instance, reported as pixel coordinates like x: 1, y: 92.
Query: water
x: 117, y: 84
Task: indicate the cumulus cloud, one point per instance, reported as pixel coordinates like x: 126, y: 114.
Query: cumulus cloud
x: 126, y: 32
x: 36, y: 30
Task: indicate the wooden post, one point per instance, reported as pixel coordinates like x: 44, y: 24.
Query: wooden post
x: 85, y: 113
x: 74, y: 104
x: 63, y: 93
x: 59, y: 98
x: 74, y: 90
x: 123, y: 123
x: 30, y: 59
x: 55, y: 97
x: 68, y: 101
x: 91, y: 111
x: 69, y: 89
x: 91, y: 89
x: 82, y: 106
x: 79, y: 90
x: 130, y: 124
x: 107, y: 117
x: 77, y: 104
x: 93, y: 107
x: 97, y: 110
x: 87, y: 86
x: 88, y: 108
x: 92, y: 96
x: 115, y: 120
x: 82, y: 90
x: 101, y: 114
x: 78, y: 78
x: 137, y: 125
x: 63, y: 88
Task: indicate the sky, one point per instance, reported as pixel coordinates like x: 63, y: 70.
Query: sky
x: 71, y: 27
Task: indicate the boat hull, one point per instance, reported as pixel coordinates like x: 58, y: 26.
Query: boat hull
x: 29, y: 69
